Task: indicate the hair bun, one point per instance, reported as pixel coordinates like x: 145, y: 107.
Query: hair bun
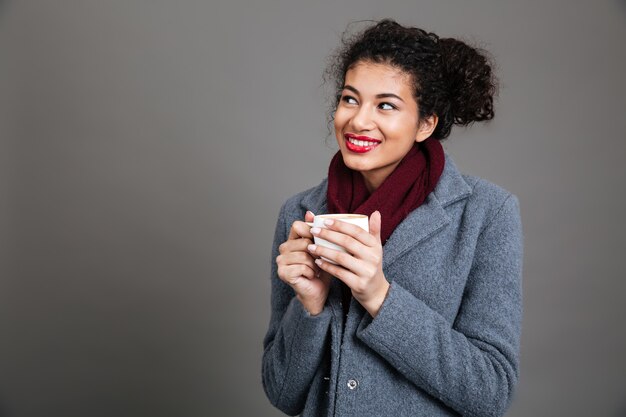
x: 470, y: 80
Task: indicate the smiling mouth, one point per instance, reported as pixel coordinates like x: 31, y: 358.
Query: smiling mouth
x: 360, y: 144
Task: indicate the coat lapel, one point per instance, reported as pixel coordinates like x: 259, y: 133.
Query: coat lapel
x: 430, y: 217
x: 417, y: 226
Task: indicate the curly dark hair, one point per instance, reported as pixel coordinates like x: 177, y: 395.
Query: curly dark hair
x: 451, y: 79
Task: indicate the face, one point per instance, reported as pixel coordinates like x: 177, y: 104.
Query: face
x: 377, y: 120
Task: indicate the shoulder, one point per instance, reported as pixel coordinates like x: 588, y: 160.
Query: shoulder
x: 313, y: 199
x: 483, y: 199
x: 489, y: 201
x: 296, y: 206
x: 455, y: 185
x: 487, y: 192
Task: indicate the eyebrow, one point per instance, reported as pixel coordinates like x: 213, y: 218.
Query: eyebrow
x: 382, y: 95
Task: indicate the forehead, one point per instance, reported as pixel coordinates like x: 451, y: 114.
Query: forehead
x: 375, y: 78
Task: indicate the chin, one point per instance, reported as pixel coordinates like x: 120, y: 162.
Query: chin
x: 355, y: 163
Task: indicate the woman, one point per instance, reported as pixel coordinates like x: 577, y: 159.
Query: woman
x: 422, y: 316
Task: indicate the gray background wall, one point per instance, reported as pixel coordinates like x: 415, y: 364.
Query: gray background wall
x: 146, y: 147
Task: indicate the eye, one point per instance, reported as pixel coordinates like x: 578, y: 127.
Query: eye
x: 387, y: 106
x: 349, y: 100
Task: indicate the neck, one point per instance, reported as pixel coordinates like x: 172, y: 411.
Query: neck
x: 371, y: 187
x: 371, y: 183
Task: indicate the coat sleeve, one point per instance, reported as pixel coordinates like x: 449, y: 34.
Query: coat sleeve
x: 294, y: 343
x: 472, y: 365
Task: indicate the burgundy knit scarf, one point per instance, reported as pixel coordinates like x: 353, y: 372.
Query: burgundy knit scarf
x: 401, y: 192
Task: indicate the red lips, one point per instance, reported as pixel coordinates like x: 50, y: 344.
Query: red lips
x: 357, y: 148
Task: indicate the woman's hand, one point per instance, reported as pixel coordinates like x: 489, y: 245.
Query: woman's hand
x: 362, y: 267
x: 297, y: 267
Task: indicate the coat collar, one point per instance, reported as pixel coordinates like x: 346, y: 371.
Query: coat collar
x: 421, y: 222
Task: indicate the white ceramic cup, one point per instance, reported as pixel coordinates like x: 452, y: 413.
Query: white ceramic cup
x: 360, y: 220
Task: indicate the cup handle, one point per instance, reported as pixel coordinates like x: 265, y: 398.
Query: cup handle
x: 310, y: 224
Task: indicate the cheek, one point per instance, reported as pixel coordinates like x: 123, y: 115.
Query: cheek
x: 341, y: 117
x: 400, y: 124
x: 405, y: 127
x: 336, y: 124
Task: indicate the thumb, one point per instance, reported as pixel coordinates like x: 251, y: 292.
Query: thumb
x: 308, y: 217
x: 375, y: 224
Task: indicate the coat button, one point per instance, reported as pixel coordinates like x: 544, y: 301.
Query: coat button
x: 352, y: 384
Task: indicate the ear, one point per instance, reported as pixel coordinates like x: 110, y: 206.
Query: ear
x: 426, y: 127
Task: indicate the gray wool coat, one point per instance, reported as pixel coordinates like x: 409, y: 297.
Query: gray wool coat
x: 446, y: 339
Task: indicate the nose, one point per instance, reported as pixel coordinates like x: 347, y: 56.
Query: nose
x: 362, y: 120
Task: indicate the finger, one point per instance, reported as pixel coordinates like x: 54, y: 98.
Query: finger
x: 376, y: 224
x: 292, y: 273
x: 371, y: 255
x: 348, y: 242
x: 306, y: 288
x: 341, y: 258
x: 348, y: 277
x: 309, y: 216
x: 350, y: 229
x: 299, y: 229
x: 294, y: 245
x: 297, y: 258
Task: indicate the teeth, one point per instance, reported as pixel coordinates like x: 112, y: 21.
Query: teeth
x: 361, y: 142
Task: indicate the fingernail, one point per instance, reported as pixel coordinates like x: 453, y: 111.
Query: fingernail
x: 329, y: 222
x: 315, y: 230
x: 318, y: 261
x: 311, y: 248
